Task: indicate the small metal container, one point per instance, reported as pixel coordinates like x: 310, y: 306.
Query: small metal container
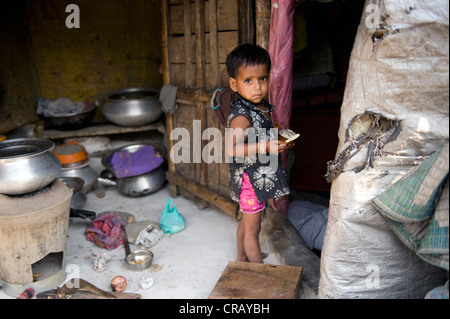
x: 139, y: 260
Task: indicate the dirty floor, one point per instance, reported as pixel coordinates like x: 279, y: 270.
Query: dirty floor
x: 185, y: 265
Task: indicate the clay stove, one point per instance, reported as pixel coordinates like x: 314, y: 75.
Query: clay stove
x: 33, y: 230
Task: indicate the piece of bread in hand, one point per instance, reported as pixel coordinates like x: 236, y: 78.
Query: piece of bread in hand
x: 287, y: 135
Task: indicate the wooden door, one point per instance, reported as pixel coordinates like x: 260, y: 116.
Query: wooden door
x: 197, y: 37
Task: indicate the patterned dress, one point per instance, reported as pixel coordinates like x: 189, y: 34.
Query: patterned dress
x: 265, y: 171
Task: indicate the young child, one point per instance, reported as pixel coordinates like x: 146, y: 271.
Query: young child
x: 251, y: 142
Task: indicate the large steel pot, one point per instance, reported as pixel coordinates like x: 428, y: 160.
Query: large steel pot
x: 143, y: 184
x: 132, y: 106
x: 26, y: 165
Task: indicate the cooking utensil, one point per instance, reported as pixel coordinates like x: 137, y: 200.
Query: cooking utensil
x: 106, y: 180
x: 71, y: 122
x: 78, y: 198
x: 26, y: 165
x: 84, y: 293
x: 139, y: 259
x: 76, y: 184
x: 67, y: 290
x: 71, y: 154
x: 75, y: 163
x: 126, y: 217
x: 132, y: 106
x: 83, y: 171
x: 143, y: 184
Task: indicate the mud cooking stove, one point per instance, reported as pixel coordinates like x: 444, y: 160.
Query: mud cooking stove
x: 33, y: 230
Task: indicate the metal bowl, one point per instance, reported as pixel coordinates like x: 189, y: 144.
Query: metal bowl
x: 85, y: 172
x: 26, y: 165
x: 139, y: 260
x: 132, y: 106
x: 143, y: 184
x: 71, y: 122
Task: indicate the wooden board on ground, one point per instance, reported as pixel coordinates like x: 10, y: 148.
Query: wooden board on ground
x: 242, y: 280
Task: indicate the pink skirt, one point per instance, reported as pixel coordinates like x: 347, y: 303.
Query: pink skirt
x: 248, y: 202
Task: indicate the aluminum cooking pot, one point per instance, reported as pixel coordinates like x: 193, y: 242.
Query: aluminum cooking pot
x: 26, y: 165
x: 143, y: 184
x: 132, y: 106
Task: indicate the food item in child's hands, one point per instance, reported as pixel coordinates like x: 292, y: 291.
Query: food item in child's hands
x: 287, y: 135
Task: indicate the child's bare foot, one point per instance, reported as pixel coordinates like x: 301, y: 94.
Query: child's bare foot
x: 263, y: 256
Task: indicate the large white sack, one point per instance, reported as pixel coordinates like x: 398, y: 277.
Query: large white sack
x: 403, y: 76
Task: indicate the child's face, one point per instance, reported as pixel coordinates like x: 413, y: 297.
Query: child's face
x: 252, y: 82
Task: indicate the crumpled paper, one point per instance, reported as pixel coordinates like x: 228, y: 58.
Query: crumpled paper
x: 100, y: 261
x: 146, y: 283
x: 149, y: 236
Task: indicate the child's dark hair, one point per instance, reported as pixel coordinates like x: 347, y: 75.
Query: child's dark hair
x: 247, y: 54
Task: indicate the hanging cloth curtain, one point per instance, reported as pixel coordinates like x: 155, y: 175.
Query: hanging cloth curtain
x: 281, y: 50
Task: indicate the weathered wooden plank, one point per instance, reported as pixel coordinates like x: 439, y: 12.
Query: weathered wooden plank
x: 100, y: 129
x: 199, y: 14
x: 262, y: 21
x: 227, y: 12
x: 246, y: 24
x: 243, y: 280
x: 213, y: 168
x: 188, y: 67
x: 213, y: 44
x: 225, y: 42
x: 175, y: 19
x: 227, y: 15
x: 165, y: 43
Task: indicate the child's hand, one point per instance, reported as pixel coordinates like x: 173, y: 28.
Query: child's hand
x: 290, y: 145
x: 276, y: 146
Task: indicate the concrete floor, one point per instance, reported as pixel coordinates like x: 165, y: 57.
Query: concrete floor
x: 186, y: 265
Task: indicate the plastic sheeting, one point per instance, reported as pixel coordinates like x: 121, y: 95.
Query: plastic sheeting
x: 281, y: 50
x: 310, y: 220
x: 399, y: 69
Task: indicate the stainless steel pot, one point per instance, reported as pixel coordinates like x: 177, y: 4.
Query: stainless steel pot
x: 26, y: 165
x: 132, y: 106
x: 143, y: 184
x: 85, y: 172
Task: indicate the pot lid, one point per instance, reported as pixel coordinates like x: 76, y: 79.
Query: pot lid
x: 71, y: 153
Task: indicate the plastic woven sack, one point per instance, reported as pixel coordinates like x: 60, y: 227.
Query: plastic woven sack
x: 171, y: 220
